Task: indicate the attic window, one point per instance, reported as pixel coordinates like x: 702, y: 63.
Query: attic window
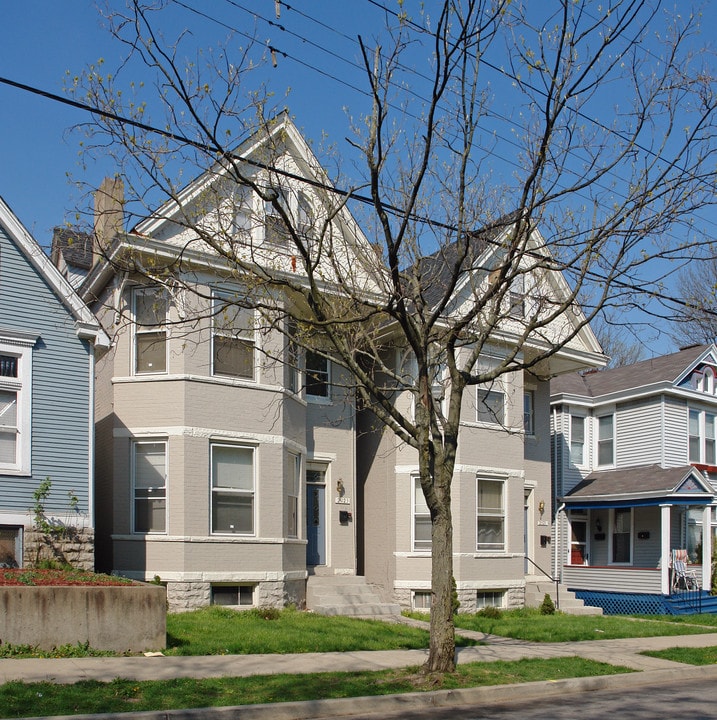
x: 517, y: 297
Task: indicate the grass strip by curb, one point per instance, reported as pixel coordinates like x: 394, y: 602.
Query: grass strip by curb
x: 686, y: 655
x: 19, y: 699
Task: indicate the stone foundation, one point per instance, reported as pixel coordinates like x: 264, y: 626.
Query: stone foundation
x: 69, y: 547
x: 185, y: 596
x: 514, y: 598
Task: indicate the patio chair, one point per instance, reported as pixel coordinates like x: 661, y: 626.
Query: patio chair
x: 682, y: 577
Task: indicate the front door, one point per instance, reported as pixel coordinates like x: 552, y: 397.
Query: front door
x: 315, y: 517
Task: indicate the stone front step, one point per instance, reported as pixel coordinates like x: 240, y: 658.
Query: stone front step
x: 345, y: 595
x: 535, y: 591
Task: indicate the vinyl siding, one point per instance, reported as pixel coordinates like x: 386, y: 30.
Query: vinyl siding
x: 60, y: 387
x: 675, y: 432
x: 638, y: 433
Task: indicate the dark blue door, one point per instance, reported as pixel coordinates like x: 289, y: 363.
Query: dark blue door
x: 316, y: 524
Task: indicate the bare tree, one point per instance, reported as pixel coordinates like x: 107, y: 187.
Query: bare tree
x: 697, y: 285
x: 475, y: 227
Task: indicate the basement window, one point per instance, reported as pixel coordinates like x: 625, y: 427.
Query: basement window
x: 237, y: 595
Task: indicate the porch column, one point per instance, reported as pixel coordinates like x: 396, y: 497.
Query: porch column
x: 707, y: 548
x: 665, y: 549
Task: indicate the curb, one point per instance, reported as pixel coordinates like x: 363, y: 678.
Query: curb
x: 438, y: 699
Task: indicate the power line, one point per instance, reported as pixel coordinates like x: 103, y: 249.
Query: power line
x: 347, y: 193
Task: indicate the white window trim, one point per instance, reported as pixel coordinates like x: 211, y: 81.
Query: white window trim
x: 226, y: 297
x: 583, y: 417
x: 702, y: 434
x: 294, y: 496
x: 415, y: 489
x: 139, y: 330
x: 503, y: 515
x: 237, y: 446
x: 610, y: 414
x: 149, y: 441
x: 495, y: 389
x: 329, y: 378
x: 529, y: 391
x: 612, y: 532
x: 19, y: 345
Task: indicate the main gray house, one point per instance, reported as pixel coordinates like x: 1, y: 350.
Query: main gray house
x: 231, y: 463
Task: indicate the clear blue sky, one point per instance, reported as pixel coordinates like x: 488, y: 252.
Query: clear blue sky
x: 44, y: 39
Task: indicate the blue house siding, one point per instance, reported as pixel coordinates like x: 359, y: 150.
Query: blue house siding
x: 61, y: 385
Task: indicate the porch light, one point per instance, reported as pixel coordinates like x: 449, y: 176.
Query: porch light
x: 541, y: 507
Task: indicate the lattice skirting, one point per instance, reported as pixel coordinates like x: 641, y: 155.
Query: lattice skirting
x: 637, y: 604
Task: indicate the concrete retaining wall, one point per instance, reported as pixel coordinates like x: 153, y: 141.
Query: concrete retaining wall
x: 120, y: 618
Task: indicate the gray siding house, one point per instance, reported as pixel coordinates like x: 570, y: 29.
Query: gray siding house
x: 48, y: 339
x: 634, y: 465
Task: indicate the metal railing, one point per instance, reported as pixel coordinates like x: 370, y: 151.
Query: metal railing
x: 552, y: 579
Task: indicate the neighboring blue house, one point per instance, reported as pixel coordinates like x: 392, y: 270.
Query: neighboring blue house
x: 48, y: 339
x: 635, y: 478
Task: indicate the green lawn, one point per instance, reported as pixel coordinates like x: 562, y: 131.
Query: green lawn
x: 529, y: 624
x: 19, y: 699
x: 690, y: 656
x: 220, y: 631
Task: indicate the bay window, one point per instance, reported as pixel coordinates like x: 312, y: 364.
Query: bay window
x: 150, y: 486
x: 232, y: 483
x: 150, y: 330
x: 232, y: 340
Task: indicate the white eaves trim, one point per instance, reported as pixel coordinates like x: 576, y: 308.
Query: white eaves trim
x: 86, y: 325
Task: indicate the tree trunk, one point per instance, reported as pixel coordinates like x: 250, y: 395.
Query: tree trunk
x: 442, y: 650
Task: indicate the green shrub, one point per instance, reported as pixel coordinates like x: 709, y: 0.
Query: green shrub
x: 490, y: 612
x: 547, y: 607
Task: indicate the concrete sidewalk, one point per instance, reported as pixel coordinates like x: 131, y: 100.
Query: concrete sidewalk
x: 624, y: 652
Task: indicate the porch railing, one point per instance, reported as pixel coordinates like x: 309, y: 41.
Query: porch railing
x: 548, y: 575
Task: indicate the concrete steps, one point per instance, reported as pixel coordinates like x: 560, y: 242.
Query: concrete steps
x: 564, y: 599
x: 345, y: 595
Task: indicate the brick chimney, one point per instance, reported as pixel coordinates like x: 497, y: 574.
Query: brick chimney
x: 109, y: 215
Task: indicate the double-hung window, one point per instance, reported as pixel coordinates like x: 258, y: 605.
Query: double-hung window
x: 293, y: 357
x: 150, y: 332
x: 232, y: 483
x: 702, y: 437
x: 517, y: 297
x: 233, y: 340
x: 150, y: 486
x: 529, y: 412
x: 15, y: 404
x: 577, y: 439
x: 421, y: 519
x: 622, y: 535
x: 293, y: 495
x: 317, y: 375
x: 606, y: 440
x: 490, y: 406
x: 490, y: 514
